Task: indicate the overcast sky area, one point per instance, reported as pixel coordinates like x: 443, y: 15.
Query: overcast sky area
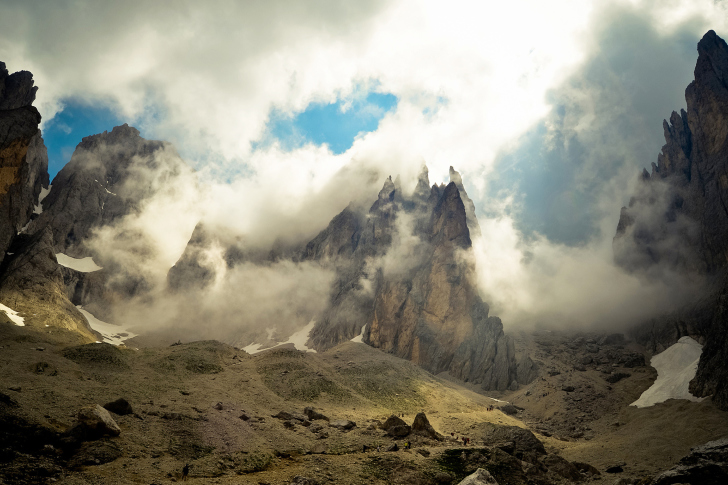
x: 549, y: 110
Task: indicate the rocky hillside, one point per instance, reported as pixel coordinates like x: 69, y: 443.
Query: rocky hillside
x: 678, y: 219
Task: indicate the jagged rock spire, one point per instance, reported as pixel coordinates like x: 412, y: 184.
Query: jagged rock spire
x: 467, y: 201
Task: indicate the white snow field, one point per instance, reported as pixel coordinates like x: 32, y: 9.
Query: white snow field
x: 13, y: 315
x: 298, y: 340
x: 675, y: 367
x: 38, y: 209
x: 84, y: 265
x: 360, y: 338
x: 112, y: 334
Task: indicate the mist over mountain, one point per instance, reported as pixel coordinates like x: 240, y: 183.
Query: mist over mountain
x: 300, y: 310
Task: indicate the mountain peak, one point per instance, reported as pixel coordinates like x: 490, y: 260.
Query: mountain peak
x: 16, y: 90
x: 388, y: 189
x: 712, y: 59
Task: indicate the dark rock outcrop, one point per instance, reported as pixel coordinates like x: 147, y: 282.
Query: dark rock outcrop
x: 678, y: 219
x: 121, y: 407
x: 23, y: 156
x: 421, y: 426
x: 109, y: 176
x: 706, y: 464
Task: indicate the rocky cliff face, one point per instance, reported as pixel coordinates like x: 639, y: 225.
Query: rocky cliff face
x: 679, y: 217
x: 23, y: 157
x: 31, y: 281
x: 107, y: 178
x: 405, y: 279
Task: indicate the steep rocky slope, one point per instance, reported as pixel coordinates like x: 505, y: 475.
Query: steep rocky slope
x: 678, y: 219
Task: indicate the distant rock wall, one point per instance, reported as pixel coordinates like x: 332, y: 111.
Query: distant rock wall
x: 678, y: 218
x: 405, y: 271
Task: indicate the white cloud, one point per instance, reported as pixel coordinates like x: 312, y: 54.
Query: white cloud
x: 470, y: 76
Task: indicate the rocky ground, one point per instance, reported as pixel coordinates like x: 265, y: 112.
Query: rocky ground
x: 237, y: 418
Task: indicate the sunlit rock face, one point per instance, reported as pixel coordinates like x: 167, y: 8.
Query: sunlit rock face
x: 405, y: 270
x: 23, y: 157
x: 30, y: 279
x: 678, y: 218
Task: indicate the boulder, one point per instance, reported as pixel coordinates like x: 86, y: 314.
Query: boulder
x: 343, y: 424
x: 586, y: 468
x: 509, y: 409
x: 525, y: 444
x: 92, y: 423
x: 399, y: 431
x: 312, y: 414
x: 480, y: 477
x: 392, y: 421
x: 121, y: 407
x: 421, y: 426
x: 561, y: 467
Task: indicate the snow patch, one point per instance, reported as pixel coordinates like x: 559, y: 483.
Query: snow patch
x: 298, y: 339
x: 675, y: 367
x: 84, y: 265
x: 112, y: 334
x: 38, y: 209
x: 13, y: 315
x: 360, y: 338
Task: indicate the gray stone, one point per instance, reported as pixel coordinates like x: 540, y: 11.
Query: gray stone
x: 92, y: 423
x: 343, y: 424
x: 480, y: 477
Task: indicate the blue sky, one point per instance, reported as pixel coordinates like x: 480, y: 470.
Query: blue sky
x: 335, y: 124
x: 65, y: 130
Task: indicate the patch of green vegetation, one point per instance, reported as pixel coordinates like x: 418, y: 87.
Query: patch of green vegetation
x: 198, y: 357
x: 102, y: 354
x: 387, y: 385
x: 296, y: 380
x: 200, y: 365
x: 391, y: 469
x: 254, y: 462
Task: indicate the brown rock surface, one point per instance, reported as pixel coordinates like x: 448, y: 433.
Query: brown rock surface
x: 23, y: 157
